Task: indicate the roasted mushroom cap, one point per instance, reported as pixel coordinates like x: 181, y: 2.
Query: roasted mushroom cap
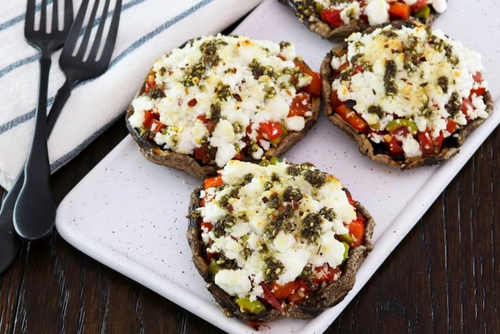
x: 327, y: 296
x: 339, y: 33
x: 450, y: 146
x: 188, y: 164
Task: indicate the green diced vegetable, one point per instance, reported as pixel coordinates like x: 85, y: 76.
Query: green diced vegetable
x: 214, y: 267
x: 275, y: 160
x: 400, y: 123
x: 346, y: 252
x: 346, y: 238
x: 246, y: 305
x: 423, y: 13
x: 264, y: 162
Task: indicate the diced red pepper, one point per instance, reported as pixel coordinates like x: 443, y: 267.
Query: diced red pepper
x: 394, y: 146
x: 315, y: 86
x: 418, y: 5
x: 283, y: 291
x: 357, y: 231
x: 270, y: 130
x: 202, y: 202
x: 357, y: 69
x: 332, y: 16
x: 149, y: 116
x: 297, y: 297
x: 349, y: 198
x: 211, y: 256
x: 438, y: 142
x: 426, y: 143
x: 340, y: 69
x: 207, y: 225
x: 269, y: 297
x: 352, y: 118
x: 466, y: 105
x: 201, y: 153
x: 478, y: 78
x: 302, y: 284
x: 402, y: 10
x: 324, y: 273
x: 215, y: 181
x: 150, y: 82
x: 157, y: 126
x: 300, y: 104
x: 451, y: 125
x: 240, y: 156
x: 335, y: 99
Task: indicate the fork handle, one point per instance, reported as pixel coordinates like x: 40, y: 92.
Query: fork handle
x: 35, y: 210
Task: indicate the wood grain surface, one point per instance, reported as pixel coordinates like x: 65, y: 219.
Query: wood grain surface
x: 443, y: 277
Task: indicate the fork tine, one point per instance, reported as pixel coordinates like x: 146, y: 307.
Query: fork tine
x: 68, y: 14
x: 55, y: 16
x: 88, y: 30
x: 97, y: 41
x: 30, y: 15
x: 43, y: 17
x: 111, y: 38
x: 75, y: 29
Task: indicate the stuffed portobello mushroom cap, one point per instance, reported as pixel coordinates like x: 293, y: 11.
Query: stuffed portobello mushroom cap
x: 159, y: 154
x: 309, y: 13
x: 378, y: 152
x: 322, y: 297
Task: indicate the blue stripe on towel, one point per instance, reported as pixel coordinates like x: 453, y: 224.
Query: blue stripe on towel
x: 20, y: 17
x: 35, y: 57
x: 70, y: 155
x: 23, y: 118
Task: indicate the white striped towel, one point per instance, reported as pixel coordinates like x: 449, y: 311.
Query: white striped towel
x: 148, y: 29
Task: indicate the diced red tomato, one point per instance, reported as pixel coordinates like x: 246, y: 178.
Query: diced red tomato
x: 394, y: 146
x: 357, y: 231
x: 157, y: 126
x: 357, y: 69
x: 402, y: 10
x: 466, y: 105
x: 302, y: 284
x: 300, y: 104
x: 352, y: 118
x: 149, y: 116
x: 215, y: 181
x: 297, y: 297
x: 201, y: 153
x: 324, y: 273
x: 207, y: 225
x: 426, y: 143
x: 269, y: 297
x: 451, y: 125
x: 211, y: 256
x: 418, y: 5
x: 150, y: 82
x: 208, y: 123
x: 283, y: 291
x: 335, y: 99
x: 438, y: 142
x: 270, y: 130
x: 315, y: 86
x: 202, y: 202
x: 478, y: 77
x: 349, y: 198
x: 332, y: 16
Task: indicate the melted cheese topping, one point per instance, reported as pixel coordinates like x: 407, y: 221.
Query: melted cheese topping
x: 255, y: 224
x: 234, y: 81
x: 430, y: 72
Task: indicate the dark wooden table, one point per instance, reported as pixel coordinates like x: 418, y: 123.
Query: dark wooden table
x: 444, y: 277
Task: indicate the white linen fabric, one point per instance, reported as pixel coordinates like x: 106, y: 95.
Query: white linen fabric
x: 148, y: 29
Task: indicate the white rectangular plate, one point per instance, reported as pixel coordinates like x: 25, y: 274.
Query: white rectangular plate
x: 130, y: 214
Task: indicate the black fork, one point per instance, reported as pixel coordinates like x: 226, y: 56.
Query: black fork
x: 34, y: 213
x: 46, y: 42
x: 76, y: 69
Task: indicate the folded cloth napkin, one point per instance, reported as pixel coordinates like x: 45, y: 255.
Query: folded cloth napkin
x: 148, y: 29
